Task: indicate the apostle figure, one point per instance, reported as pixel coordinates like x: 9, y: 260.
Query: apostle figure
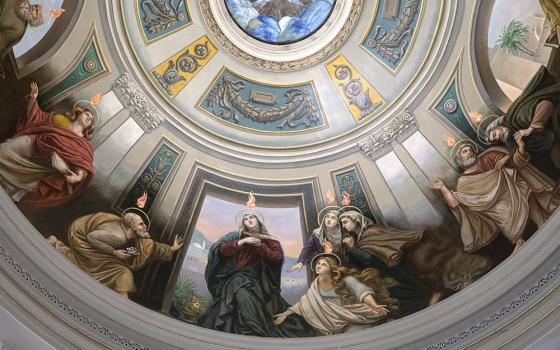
x: 342, y: 300
x: 326, y: 238
x: 109, y: 247
x: 534, y: 117
x: 376, y: 246
x: 428, y: 264
x: 15, y: 15
x: 50, y: 159
x: 498, y: 192
x: 243, y: 276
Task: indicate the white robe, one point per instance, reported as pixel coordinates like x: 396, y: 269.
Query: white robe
x: 330, y: 317
x: 502, y: 200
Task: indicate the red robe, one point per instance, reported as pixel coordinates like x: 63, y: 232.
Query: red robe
x: 48, y: 138
x: 270, y: 251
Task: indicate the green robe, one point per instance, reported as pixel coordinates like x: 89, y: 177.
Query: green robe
x: 520, y: 114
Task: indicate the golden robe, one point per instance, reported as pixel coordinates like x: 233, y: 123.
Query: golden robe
x: 497, y: 198
x: 107, y: 268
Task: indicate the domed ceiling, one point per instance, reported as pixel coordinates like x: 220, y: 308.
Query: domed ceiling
x: 337, y: 60
x: 282, y: 169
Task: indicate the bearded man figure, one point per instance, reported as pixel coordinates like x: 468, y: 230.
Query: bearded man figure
x: 498, y: 192
x: 15, y: 16
x: 97, y: 244
x: 534, y: 117
x: 427, y: 264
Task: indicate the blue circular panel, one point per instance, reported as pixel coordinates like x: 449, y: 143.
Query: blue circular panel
x: 280, y: 21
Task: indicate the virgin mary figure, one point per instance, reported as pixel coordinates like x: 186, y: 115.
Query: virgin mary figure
x: 243, y: 276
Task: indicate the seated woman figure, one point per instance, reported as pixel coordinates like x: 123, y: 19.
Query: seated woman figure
x: 342, y: 300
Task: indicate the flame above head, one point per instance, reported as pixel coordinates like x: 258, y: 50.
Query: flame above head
x: 345, y: 198
x: 252, y: 202
x: 330, y: 197
x: 55, y: 13
x: 94, y: 100
x: 141, y: 201
x: 449, y: 140
x: 475, y: 117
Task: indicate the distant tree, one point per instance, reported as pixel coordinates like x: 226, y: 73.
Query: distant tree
x: 513, y: 38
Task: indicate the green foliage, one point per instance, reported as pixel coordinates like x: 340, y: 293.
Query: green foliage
x: 187, y: 301
x: 513, y: 38
x: 186, y: 288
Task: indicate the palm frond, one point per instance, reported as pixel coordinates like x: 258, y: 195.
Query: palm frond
x: 513, y: 38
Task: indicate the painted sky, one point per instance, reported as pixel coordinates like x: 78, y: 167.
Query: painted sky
x: 33, y: 35
x: 217, y: 217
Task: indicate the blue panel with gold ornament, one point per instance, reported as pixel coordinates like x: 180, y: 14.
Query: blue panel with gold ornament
x: 350, y: 187
x: 88, y: 67
x: 152, y: 179
x: 359, y: 96
x: 392, y: 31
x: 160, y: 18
x: 449, y: 106
x: 174, y: 73
x: 261, y: 106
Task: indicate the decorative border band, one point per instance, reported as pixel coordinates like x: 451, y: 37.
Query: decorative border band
x: 69, y: 310
x: 294, y: 65
x: 497, y: 315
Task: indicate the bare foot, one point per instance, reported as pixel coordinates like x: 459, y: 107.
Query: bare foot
x: 436, y: 296
x: 52, y: 240
x: 518, y: 244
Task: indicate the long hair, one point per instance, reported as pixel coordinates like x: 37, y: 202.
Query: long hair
x: 87, y: 132
x: 370, y: 277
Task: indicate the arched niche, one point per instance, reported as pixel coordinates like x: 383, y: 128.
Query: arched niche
x: 489, y: 66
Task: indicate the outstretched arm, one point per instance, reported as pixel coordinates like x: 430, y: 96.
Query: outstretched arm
x: 449, y: 198
x: 280, y: 318
x: 32, y: 99
x: 34, y: 116
x: 369, y: 300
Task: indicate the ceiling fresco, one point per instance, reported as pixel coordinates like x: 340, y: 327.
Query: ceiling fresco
x: 370, y: 184
x: 173, y: 67
x: 280, y: 21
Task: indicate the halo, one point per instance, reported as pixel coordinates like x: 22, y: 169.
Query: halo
x: 139, y: 212
x: 347, y: 208
x: 461, y: 143
x: 242, y: 213
x: 483, y: 125
x: 324, y: 211
x: 90, y: 107
x: 317, y: 257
